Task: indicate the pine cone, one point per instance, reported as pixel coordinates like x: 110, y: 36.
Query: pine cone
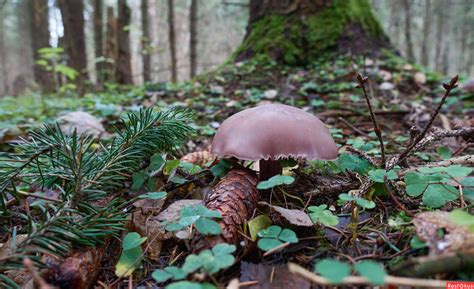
x: 235, y: 197
x: 198, y: 158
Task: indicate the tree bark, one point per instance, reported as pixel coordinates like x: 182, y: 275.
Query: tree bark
x: 145, y: 41
x: 72, y: 13
x: 409, y: 43
x: 424, y: 53
x: 172, y: 41
x: 193, y: 21
x: 440, y: 33
x: 99, y: 40
x: 124, y: 63
x: 300, y: 31
x: 40, y: 39
x: 111, y: 46
x: 3, y: 55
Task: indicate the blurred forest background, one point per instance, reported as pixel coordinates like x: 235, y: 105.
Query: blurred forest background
x: 44, y: 43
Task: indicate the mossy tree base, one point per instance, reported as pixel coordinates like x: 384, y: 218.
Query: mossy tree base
x: 302, y: 36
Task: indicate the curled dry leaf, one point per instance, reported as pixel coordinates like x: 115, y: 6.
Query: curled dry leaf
x: 82, y: 122
x: 199, y: 158
x: 441, y: 234
x: 294, y: 217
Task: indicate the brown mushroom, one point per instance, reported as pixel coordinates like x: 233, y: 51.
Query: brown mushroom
x: 271, y: 132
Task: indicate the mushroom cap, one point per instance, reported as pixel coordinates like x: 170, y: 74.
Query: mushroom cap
x: 274, y: 131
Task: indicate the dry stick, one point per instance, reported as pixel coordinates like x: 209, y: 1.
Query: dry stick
x: 464, y: 161
x: 378, y: 132
x: 357, y: 280
x: 353, y: 127
x: 406, y: 153
x: 394, y: 198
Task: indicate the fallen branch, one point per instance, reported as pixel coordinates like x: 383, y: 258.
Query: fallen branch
x: 432, y: 265
x: 431, y: 138
x: 467, y: 160
x: 357, y: 280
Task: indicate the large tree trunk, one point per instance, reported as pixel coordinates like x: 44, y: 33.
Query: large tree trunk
x: 193, y: 37
x: 99, y: 40
x: 72, y: 14
x: 111, y: 46
x: 40, y: 39
x: 124, y: 62
x: 296, y: 32
x: 172, y: 41
x: 145, y: 41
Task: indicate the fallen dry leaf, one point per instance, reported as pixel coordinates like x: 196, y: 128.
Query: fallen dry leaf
x: 441, y: 234
x: 295, y: 217
x: 271, y: 277
x: 82, y: 122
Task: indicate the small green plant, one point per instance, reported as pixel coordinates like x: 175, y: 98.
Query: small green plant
x: 199, y: 216
x: 208, y: 261
x: 322, y: 215
x: 335, y: 271
x: 131, y: 256
x: 275, y: 236
x: 434, y: 184
x: 379, y: 175
x: 274, y: 181
x: 366, y: 204
x: 50, y: 59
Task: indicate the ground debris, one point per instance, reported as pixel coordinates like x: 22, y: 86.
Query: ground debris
x: 271, y: 277
x: 441, y: 234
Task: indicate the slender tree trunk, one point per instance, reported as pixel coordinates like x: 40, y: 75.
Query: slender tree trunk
x: 124, y: 63
x: 439, y: 33
x: 99, y: 40
x: 40, y: 39
x: 3, y: 52
x: 424, y: 53
x: 72, y: 14
x: 172, y: 40
x: 145, y: 41
x: 409, y: 42
x: 464, y: 38
x: 193, y: 22
x: 111, y: 46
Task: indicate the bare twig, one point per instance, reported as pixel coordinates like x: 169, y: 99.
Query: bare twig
x: 357, y: 280
x: 406, y: 153
x: 362, y: 81
x: 353, y: 127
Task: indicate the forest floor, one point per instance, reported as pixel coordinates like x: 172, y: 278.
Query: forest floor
x: 343, y: 212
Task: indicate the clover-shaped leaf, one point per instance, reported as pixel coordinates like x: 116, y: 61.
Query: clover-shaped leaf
x: 168, y: 273
x: 275, y: 181
x: 378, y: 175
x: 275, y: 236
x: 359, y: 201
x: 372, y: 271
x: 200, y: 216
x: 153, y: 195
x: 335, y: 271
x: 322, y: 215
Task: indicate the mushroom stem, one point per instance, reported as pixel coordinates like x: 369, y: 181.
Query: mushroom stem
x: 269, y: 168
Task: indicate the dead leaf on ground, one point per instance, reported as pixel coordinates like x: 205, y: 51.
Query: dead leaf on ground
x: 81, y: 121
x: 441, y: 234
x: 295, y: 217
x: 271, y: 277
x: 172, y: 212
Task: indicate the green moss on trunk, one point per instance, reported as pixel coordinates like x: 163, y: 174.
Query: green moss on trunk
x: 299, y: 39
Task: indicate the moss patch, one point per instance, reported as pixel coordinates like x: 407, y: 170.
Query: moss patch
x: 297, y: 39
